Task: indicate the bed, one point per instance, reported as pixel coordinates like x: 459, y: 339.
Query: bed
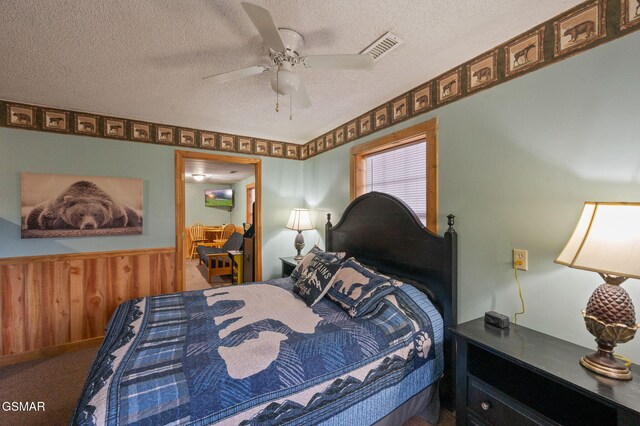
x: 257, y: 354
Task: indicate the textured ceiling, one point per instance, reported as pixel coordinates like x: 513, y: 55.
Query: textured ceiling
x: 144, y: 59
x: 217, y: 171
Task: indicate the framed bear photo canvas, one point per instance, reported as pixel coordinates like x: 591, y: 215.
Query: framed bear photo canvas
x: 58, y: 206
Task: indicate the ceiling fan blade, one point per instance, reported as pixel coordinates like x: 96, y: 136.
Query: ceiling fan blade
x: 301, y: 97
x: 263, y: 21
x: 234, y: 75
x: 339, y: 62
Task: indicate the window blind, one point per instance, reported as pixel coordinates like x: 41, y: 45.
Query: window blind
x: 401, y: 172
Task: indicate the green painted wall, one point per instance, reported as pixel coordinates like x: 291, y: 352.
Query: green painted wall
x: 196, y: 212
x: 516, y: 164
x: 39, y: 152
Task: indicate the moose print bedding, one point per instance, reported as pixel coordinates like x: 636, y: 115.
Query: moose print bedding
x: 257, y: 354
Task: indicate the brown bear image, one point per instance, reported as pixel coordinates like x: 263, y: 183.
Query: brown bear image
x: 587, y: 28
x: 22, y: 118
x: 82, y: 205
x: 482, y: 73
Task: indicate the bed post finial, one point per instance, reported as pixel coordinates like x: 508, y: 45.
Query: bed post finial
x: 329, y: 220
x: 451, y: 221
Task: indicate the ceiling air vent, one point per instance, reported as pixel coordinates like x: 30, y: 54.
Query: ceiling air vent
x: 383, y: 45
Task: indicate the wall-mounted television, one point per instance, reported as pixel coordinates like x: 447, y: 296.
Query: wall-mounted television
x: 218, y: 197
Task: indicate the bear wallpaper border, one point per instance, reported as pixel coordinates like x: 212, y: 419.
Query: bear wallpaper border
x: 320, y: 144
x: 538, y: 34
x: 51, y: 122
x: 626, y: 21
x: 613, y: 22
x: 124, y: 129
x: 453, y: 79
x: 417, y: 102
x: 478, y: 83
x: 113, y: 127
x: 612, y: 26
x: 20, y: 116
x: 91, y: 119
x: 600, y: 32
x: 140, y: 131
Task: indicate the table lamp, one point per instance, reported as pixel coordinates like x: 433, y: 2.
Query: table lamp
x: 299, y: 220
x: 607, y: 241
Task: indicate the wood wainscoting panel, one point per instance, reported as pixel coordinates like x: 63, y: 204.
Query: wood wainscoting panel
x: 48, y: 301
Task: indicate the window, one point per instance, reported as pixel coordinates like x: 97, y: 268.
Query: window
x: 401, y: 172
x: 403, y: 164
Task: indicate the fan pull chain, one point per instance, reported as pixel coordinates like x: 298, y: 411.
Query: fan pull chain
x: 277, y: 88
x: 290, y: 110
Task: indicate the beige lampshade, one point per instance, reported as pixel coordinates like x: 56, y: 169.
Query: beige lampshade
x: 299, y: 220
x: 606, y: 240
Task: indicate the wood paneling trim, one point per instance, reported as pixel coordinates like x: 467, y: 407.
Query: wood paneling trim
x: 80, y: 256
x: 49, y: 301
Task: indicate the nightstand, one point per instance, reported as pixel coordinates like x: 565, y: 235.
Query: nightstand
x: 288, y: 265
x: 518, y: 376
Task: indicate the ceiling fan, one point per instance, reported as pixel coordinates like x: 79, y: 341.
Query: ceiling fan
x: 284, y: 53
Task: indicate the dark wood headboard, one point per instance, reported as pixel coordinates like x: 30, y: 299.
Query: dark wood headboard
x: 382, y: 231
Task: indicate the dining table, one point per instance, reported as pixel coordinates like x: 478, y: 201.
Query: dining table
x: 213, y: 233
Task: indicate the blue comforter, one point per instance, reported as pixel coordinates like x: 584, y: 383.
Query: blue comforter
x: 256, y: 354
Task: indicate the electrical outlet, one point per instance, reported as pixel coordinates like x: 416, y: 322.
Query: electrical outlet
x: 520, y: 259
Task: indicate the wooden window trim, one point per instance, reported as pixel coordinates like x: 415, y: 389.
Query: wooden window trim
x: 427, y: 130
x: 249, y: 187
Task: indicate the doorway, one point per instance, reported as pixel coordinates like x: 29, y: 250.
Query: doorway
x: 184, y: 158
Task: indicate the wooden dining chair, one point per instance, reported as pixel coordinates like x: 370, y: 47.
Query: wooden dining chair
x: 196, y: 232
x: 227, y: 230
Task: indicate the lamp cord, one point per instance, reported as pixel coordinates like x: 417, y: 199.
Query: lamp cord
x: 627, y: 361
x: 515, y: 273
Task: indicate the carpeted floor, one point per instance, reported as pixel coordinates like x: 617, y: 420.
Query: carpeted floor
x: 58, y: 381
x: 196, y: 276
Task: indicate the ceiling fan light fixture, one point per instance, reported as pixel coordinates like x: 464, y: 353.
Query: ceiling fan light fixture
x: 285, y: 48
x: 285, y: 81
x: 198, y: 177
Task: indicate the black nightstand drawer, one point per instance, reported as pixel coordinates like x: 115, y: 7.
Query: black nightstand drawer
x: 472, y: 420
x: 497, y: 408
